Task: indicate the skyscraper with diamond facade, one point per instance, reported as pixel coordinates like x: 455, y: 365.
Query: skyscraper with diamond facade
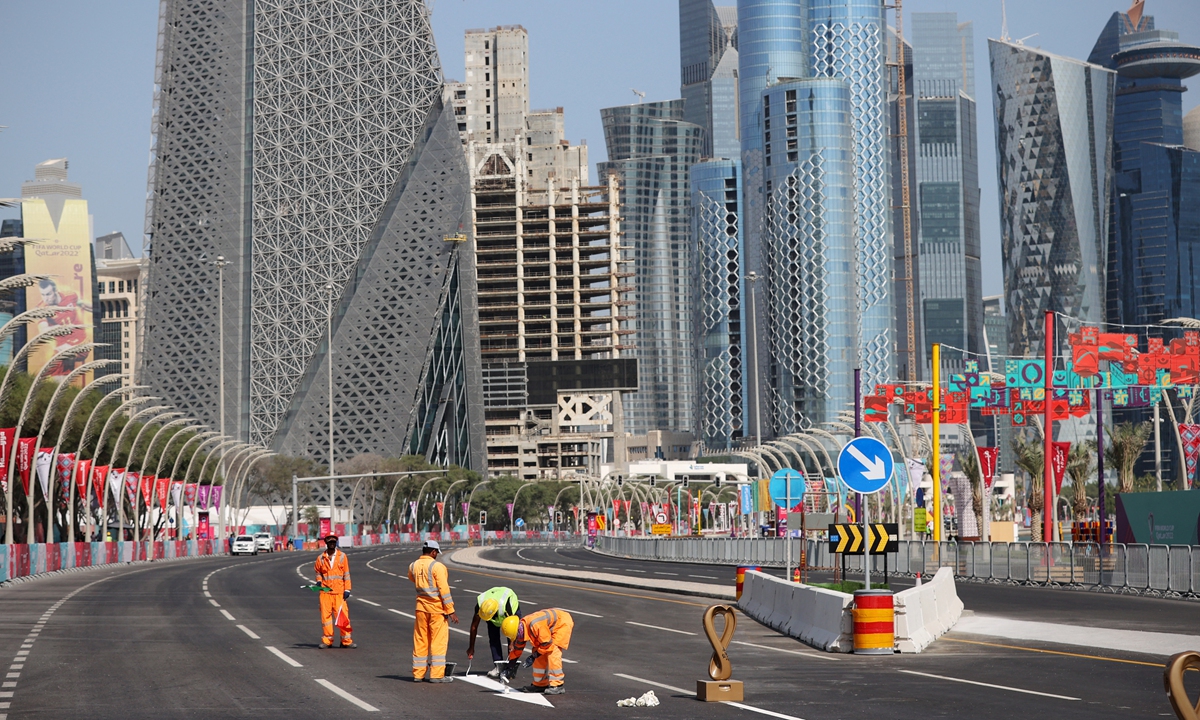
x: 328, y: 176
x: 1054, y: 150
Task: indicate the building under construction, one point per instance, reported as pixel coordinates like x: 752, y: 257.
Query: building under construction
x: 551, y: 316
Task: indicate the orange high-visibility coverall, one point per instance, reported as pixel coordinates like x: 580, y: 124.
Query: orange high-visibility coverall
x: 431, y: 632
x: 333, y: 573
x: 549, y: 633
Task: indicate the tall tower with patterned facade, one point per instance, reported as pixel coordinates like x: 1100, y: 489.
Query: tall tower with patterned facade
x: 327, y: 176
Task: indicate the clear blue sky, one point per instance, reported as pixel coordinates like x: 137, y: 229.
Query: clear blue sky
x: 79, y: 73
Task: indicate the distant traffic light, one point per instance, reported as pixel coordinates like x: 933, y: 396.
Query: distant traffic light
x: 717, y: 479
x: 686, y: 480
x: 620, y: 480
x: 482, y: 518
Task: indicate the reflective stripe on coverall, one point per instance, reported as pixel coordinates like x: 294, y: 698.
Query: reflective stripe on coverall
x: 431, y: 632
x: 334, y: 574
x: 549, y: 633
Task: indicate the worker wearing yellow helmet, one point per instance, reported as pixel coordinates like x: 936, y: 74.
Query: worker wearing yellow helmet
x: 493, y: 607
x: 548, y: 632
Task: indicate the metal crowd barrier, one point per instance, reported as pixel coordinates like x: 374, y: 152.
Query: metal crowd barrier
x: 1158, y: 570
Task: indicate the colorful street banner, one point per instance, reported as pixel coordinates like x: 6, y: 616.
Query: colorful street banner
x: 162, y: 487
x: 747, y: 501
x: 83, y: 473
x: 115, y: 477
x: 916, y: 472
x: 147, y: 490
x: 1058, y: 463
x: 988, y: 457
x: 25, y: 460
x: 441, y: 508
x: 177, y: 494
x: 214, y: 497
x: 510, y: 509
x: 412, y: 509
x: 62, y: 255
x: 66, y: 471
x: 466, y: 509
x: 189, y: 494
x: 42, y: 465
x: 7, y: 436
x: 202, y: 500
x: 100, y: 484
x: 1190, y: 434
x: 132, y: 480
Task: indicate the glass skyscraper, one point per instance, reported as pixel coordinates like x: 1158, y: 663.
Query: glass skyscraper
x: 708, y: 59
x: 811, y: 275
x: 651, y: 149
x: 326, y: 175
x: 1054, y: 150
x: 945, y: 188
x: 1153, y: 264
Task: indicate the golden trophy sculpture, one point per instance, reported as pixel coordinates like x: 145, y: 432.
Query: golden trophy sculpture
x: 720, y: 688
x: 1173, y: 681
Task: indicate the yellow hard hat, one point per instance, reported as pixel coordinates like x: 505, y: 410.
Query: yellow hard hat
x: 510, y: 626
x: 488, y: 609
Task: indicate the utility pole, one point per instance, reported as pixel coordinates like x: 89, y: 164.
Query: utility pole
x: 753, y: 277
x: 329, y: 366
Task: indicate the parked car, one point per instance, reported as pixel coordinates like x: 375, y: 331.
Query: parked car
x: 243, y: 545
x: 263, y: 541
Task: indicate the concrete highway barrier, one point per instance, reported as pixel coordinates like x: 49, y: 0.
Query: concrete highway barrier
x: 926, y: 612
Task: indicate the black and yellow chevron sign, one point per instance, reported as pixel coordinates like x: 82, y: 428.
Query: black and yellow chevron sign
x: 847, y: 538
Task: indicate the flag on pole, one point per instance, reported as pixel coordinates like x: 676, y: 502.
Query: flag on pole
x: 162, y: 487
x: 214, y: 497
x: 83, y: 473
x: 988, y: 457
x: 25, y: 460
x: 42, y: 461
x: 115, y: 476
x: 147, y: 489
x: 7, y: 436
x: 202, y: 494
x: 100, y: 483
x: 1058, y: 463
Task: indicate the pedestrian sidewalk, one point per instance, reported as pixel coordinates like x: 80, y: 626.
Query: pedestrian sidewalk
x: 1136, y: 641
x: 473, y: 557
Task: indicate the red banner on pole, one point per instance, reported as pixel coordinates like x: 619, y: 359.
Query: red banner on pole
x: 988, y: 457
x: 25, y: 453
x: 1059, y: 463
x: 6, y: 441
x: 83, y: 471
x: 147, y: 489
x: 100, y: 483
x: 162, y: 488
x: 1190, y: 434
x: 441, y: 512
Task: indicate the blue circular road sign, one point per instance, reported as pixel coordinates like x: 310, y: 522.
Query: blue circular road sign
x: 787, y: 484
x: 865, y: 465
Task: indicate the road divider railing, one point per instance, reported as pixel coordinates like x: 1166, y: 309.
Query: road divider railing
x: 21, y: 560
x: 1158, y: 570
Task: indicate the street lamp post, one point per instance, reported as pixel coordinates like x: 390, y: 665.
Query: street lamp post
x: 754, y: 277
x: 62, y: 431
x: 149, y: 451
x: 162, y: 456
x: 329, y: 367
x: 220, y: 263
x: 156, y: 409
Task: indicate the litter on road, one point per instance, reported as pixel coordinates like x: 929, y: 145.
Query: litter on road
x: 647, y: 700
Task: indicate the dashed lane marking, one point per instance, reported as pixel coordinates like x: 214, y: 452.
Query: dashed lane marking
x: 691, y: 693
x: 790, y: 652
x: 704, y: 577
x: 580, y: 612
x: 214, y: 603
x: 347, y: 696
x: 666, y: 573
x: 989, y: 685
x: 226, y: 614
x: 249, y: 632
x: 369, y: 602
x: 657, y: 627
x: 399, y: 612
x: 278, y: 653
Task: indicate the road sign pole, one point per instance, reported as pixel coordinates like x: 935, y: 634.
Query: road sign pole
x: 866, y: 521
x: 787, y: 535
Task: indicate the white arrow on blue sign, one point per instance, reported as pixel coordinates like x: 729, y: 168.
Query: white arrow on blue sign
x: 865, y: 465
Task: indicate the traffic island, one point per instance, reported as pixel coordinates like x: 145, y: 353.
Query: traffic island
x: 824, y: 618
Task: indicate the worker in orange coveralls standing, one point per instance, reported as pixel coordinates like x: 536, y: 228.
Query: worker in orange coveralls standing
x: 435, y: 605
x: 333, y: 572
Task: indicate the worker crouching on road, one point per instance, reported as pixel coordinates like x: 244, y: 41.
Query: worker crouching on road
x: 333, y: 573
x: 549, y: 633
x: 494, y: 607
x: 435, y: 605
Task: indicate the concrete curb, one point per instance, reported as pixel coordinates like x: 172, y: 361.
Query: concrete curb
x: 470, y: 557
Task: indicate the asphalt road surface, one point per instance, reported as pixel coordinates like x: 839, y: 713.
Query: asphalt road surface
x: 236, y: 637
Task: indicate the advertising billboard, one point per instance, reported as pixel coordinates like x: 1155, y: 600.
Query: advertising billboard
x: 62, y: 252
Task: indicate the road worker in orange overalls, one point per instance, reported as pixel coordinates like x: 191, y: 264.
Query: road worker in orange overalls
x: 431, y: 633
x: 549, y: 633
x: 333, y: 572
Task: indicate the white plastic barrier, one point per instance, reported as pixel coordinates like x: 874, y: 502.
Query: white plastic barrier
x: 926, y: 612
x: 816, y: 616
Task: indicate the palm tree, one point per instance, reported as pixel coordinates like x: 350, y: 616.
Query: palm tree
x: 1081, y: 464
x: 1030, y: 459
x: 970, y: 465
x: 1126, y: 442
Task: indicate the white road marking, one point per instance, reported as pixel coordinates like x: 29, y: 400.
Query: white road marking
x: 249, y: 632
x: 10, y: 684
x: 281, y: 656
x: 570, y: 662
x: 656, y: 627
x: 504, y: 691
x: 630, y: 570
x: 347, y: 696
x: 790, y: 652
x: 704, y: 577
x: 226, y: 614
x: 580, y: 612
x: 214, y: 603
x: 398, y: 612
x: 14, y: 675
x: 207, y: 594
x: 665, y: 573
x: 369, y: 602
x: 692, y: 693
x: 983, y: 684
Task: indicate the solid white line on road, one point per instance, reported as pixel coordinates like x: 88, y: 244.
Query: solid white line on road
x: 226, y: 614
x: 790, y: 652
x: 656, y: 627
x: 347, y: 696
x: 281, y: 656
x: 705, y: 577
x: 692, y: 693
x: 249, y: 632
x: 369, y: 602
x: 580, y: 612
x: 983, y: 684
x: 398, y: 612
x: 214, y: 603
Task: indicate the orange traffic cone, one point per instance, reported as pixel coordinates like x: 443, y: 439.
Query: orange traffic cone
x: 796, y: 575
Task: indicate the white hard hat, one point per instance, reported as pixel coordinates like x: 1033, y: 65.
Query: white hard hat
x: 432, y: 545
